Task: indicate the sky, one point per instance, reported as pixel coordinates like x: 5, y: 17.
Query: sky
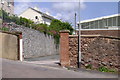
x: 65, y: 11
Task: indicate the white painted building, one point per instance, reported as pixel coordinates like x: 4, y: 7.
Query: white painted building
x: 37, y: 16
x: 7, y: 5
x: 104, y: 22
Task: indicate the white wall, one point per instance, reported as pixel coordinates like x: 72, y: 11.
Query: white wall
x: 47, y: 21
x: 31, y: 14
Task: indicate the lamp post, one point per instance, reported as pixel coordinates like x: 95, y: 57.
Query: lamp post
x: 75, y: 23
x: 79, y: 38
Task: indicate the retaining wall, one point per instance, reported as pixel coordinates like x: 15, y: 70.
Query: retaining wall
x: 99, y: 51
x: 35, y: 43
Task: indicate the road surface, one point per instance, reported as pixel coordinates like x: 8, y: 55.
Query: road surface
x: 17, y: 69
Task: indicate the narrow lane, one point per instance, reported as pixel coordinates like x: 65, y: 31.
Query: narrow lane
x: 17, y: 69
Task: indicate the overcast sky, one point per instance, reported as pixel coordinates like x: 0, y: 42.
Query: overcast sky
x: 66, y: 10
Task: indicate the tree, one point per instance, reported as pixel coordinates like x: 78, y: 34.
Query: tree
x: 41, y: 27
x: 56, y: 26
x: 26, y: 22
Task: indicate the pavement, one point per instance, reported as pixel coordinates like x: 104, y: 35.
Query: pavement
x: 45, y: 68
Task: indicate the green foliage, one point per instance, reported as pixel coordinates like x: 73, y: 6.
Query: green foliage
x: 15, y: 19
x: 53, y: 29
x: 89, y: 66
x: 0, y: 13
x: 41, y: 27
x: 4, y: 29
x: 25, y: 22
x: 56, y: 26
x: 105, y: 69
x: 5, y: 16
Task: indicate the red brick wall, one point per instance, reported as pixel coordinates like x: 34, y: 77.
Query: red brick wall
x: 64, y: 48
x: 101, y: 32
x: 68, y: 49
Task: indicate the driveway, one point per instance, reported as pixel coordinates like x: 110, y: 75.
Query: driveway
x: 25, y: 69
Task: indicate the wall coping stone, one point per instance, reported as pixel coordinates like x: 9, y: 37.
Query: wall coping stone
x: 94, y: 36
x: 13, y: 33
x: 72, y: 36
x: 101, y: 36
x: 99, y: 29
x: 64, y: 31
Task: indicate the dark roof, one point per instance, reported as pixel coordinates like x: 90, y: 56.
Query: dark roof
x: 43, y: 14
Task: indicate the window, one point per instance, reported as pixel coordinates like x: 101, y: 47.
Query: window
x: 36, y: 17
x: 109, y: 22
x: 96, y: 24
x: 114, y: 20
x: 118, y: 21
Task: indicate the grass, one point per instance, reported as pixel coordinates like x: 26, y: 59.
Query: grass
x: 101, y: 69
x: 89, y: 66
x: 105, y: 69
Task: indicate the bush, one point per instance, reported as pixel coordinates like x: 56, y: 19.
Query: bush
x: 4, y: 29
x: 41, y: 27
x: 56, y: 26
x: 105, y: 69
x: 26, y: 22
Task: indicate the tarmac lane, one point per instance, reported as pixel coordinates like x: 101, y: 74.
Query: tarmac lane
x: 17, y: 69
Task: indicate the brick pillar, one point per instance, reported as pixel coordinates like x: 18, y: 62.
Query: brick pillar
x: 64, y: 48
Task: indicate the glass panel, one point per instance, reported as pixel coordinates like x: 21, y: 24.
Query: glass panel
x: 100, y: 24
x: 96, y: 24
x: 109, y: 22
x: 119, y: 21
x: 114, y: 21
x: 105, y: 23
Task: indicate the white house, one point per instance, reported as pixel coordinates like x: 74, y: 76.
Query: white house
x: 104, y: 22
x: 37, y: 16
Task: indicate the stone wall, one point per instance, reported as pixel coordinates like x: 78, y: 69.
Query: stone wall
x: 96, y: 51
x: 99, y: 51
x: 35, y: 43
x: 73, y: 50
x: 9, y: 46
